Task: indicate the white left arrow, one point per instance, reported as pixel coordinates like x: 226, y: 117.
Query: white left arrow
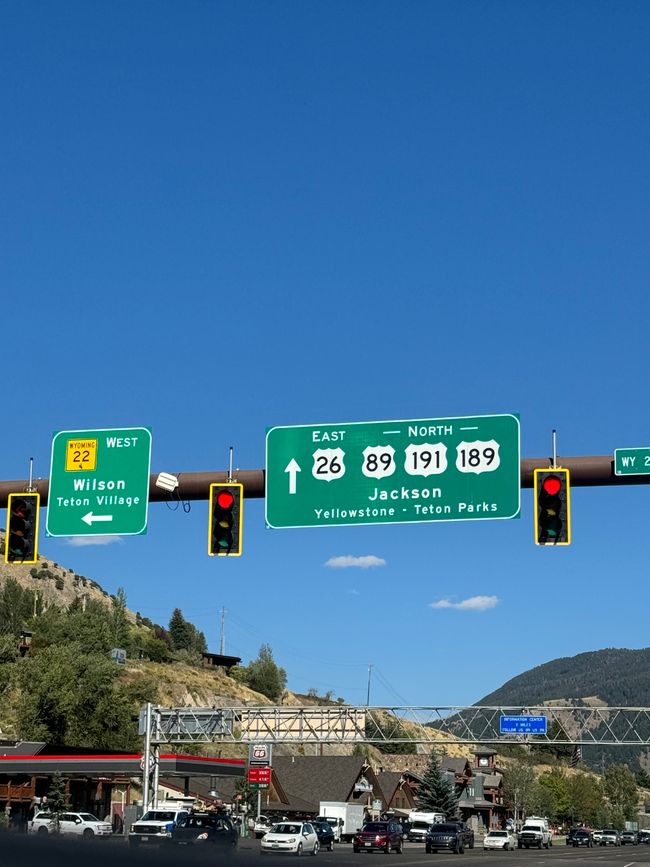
x: 293, y: 469
x: 90, y: 519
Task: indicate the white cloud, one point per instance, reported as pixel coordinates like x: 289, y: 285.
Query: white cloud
x: 354, y: 592
x: 474, y: 603
x: 81, y: 541
x: 347, y: 562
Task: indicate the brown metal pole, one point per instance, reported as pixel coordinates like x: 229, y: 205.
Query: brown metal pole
x: 586, y: 471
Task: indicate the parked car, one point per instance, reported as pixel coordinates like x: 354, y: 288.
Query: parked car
x: 325, y: 834
x: 579, y: 837
x: 500, y: 840
x: 262, y: 826
x: 72, y: 824
x: 200, y: 828
x: 295, y: 837
x: 595, y: 836
x: 449, y: 835
x: 629, y: 837
x: 644, y: 836
x: 610, y: 837
x: 383, y: 836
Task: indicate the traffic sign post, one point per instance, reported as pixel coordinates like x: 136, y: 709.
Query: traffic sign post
x: 99, y: 482
x: 632, y: 462
x: 390, y: 472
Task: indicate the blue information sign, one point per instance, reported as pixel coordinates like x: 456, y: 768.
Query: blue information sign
x: 522, y: 725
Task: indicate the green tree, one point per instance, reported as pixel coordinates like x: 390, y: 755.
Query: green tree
x: 184, y: 635
x: 642, y: 779
x: 436, y: 793
x: 555, y: 784
x: 16, y: 606
x: 57, y: 799
x: 620, y: 790
x: 585, y: 800
x: 520, y: 789
x: 119, y: 621
x: 179, y: 630
x: 72, y: 698
x: 263, y: 675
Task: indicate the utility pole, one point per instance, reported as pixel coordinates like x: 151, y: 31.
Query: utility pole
x: 368, y: 693
x: 222, y: 644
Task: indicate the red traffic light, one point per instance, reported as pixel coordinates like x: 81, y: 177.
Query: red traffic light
x: 552, y: 485
x: 225, y: 500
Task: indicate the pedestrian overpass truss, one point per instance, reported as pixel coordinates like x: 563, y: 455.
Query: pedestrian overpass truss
x: 431, y: 726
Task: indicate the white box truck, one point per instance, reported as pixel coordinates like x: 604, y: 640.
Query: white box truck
x: 344, y: 818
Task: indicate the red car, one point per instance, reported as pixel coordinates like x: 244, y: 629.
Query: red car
x: 382, y: 836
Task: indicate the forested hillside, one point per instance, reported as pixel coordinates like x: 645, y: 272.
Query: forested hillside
x: 616, y: 676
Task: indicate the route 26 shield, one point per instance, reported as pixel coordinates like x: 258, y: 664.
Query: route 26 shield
x: 328, y: 464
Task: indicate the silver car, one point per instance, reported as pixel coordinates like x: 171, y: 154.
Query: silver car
x: 610, y: 837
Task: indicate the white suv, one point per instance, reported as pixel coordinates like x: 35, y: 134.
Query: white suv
x: 73, y: 824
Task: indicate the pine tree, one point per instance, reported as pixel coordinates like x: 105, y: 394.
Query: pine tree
x: 436, y: 793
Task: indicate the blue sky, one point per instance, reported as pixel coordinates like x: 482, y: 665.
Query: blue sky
x: 220, y: 217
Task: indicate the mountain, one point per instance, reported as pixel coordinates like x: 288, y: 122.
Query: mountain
x: 613, y: 677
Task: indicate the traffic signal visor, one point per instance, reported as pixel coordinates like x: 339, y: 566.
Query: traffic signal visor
x: 552, y: 506
x: 225, y: 521
x: 21, y: 537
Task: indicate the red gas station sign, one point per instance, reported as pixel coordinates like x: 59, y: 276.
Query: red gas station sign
x: 259, y: 775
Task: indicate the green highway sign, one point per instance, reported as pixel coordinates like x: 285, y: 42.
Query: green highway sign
x: 631, y: 462
x: 390, y: 472
x: 99, y: 482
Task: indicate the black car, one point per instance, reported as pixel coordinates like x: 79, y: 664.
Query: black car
x: 449, y: 835
x: 579, y: 837
x: 325, y: 834
x: 205, y: 828
x: 644, y: 836
x: 383, y: 836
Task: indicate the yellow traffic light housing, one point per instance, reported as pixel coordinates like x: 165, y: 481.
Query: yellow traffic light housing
x: 552, y: 487
x: 21, y: 538
x: 225, y: 520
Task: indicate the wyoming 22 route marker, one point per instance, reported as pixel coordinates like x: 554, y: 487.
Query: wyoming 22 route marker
x: 99, y: 482
x: 391, y: 472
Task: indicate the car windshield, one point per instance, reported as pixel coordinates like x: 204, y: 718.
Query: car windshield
x: 286, y: 829
x: 88, y: 817
x: 498, y: 834
x: 158, y: 816
x: 419, y: 824
x: 444, y: 829
x: 375, y: 826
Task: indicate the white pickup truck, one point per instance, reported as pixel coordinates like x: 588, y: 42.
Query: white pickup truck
x: 535, y: 834
x: 156, y: 825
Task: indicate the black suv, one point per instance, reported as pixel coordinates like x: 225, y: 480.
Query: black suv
x: 579, y: 837
x: 449, y: 835
x: 203, y: 827
x: 379, y: 835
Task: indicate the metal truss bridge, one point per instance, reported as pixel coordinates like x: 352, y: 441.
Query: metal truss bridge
x: 343, y: 724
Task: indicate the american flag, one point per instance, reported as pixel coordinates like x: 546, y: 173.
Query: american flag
x: 577, y: 756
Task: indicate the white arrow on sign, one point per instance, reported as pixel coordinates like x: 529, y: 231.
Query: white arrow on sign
x: 90, y: 519
x: 292, y: 468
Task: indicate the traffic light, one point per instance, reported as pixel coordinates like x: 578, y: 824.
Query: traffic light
x: 552, y: 507
x: 225, y: 524
x: 21, y: 538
